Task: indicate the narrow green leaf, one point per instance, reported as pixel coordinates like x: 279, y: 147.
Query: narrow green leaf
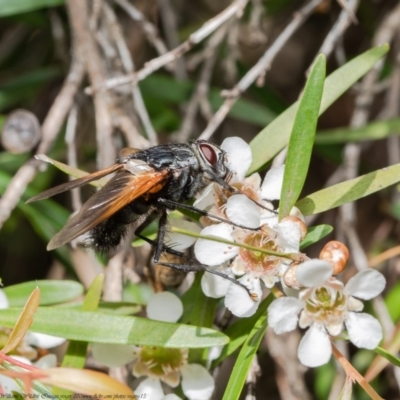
x: 105, y: 328
x: 24, y: 322
x: 373, y: 131
x: 75, y: 172
x: 12, y: 7
x: 51, y: 292
x: 243, y: 362
x: 110, y: 307
x: 240, y: 330
x: 93, y: 296
x: 390, y: 357
x: 75, y: 355
x: 201, y: 313
x: 302, y: 138
x: 351, y: 190
x: 275, y: 136
x: 315, y: 234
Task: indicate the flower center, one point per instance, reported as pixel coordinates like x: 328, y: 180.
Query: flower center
x: 326, y: 303
x: 160, y: 360
x: 257, y: 260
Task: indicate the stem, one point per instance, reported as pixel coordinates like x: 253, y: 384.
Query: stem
x: 290, y: 256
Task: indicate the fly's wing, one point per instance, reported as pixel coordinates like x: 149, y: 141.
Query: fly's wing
x: 76, y: 183
x: 119, y: 191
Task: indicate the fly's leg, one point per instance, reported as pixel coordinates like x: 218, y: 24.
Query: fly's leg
x: 174, y: 204
x: 197, y: 267
x: 190, y: 265
x: 156, y: 243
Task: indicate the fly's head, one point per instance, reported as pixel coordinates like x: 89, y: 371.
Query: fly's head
x: 212, y: 160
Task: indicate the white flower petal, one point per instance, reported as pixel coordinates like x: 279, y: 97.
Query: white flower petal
x: 45, y: 341
x: 113, y: 355
x: 238, y: 300
x: 179, y: 241
x: 171, y: 396
x: 315, y: 347
x: 272, y: 185
x: 364, y: 330
x: 213, y: 253
x: 335, y: 328
x: 215, y: 286
x: 289, y: 236
x: 197, y: 383
x: 206, y: 198
x: 366, y: 284
x: 354, y: 304
x: 164, y: 306
x: 4, y: 303
x: 214, y: 353
x: 8, y: 385
x: 283, y: 314
x: 47, y: 361
x: 242, y: 211
x: 314, y: 273
x: 150, y: 389
x: 268, y: 217
x: 239, y: 157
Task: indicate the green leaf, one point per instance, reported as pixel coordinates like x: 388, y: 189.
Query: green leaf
x: 240, y: 330
x: 348, y: 191
x: 373, y: 131
x: 243, y: 362
x: 198, y: 310
x: 302, y: 138
x: 105, y: 328
x: 74, y: 172
x: 275, y: 136
x: 390, y: 357
x: 51, y: 292
x: 392, y: 300
x: 12, y: 7
x: 315, y: 234
x: 75, y: 355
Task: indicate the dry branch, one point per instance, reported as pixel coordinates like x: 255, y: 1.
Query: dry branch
x: 235, y: 9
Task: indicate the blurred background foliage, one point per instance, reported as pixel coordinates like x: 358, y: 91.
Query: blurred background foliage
x: 35, y: 57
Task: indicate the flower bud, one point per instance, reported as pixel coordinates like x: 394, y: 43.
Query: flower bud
x: 21, y: 132
x: 337, y: 254
x: 289, y: 277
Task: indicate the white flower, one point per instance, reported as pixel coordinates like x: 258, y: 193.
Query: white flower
x: 252, y: 266
x: 241, y: 208
x: 160, y: 364
x: 326, y: 306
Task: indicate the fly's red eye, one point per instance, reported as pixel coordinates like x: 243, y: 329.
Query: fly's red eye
x: 209, y: 154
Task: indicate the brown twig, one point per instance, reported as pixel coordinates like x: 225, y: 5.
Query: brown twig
x: 129, y: 67
x: 258, y: 69
x: 289, y: 372
x: 150, y: 30
x: 199, y: 97
x: 170, y: 27
x: 79, y: 18
x: 70, y: 140
x: 337, y: 31
x: 235, y: 9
